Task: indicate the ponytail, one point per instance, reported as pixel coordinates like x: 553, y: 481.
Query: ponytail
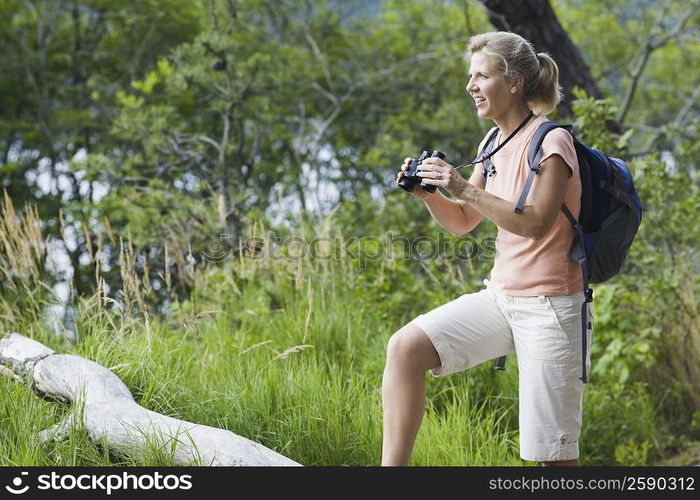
x: 545, y: 92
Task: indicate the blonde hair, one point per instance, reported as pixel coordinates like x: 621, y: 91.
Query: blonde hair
x: 514, y: 56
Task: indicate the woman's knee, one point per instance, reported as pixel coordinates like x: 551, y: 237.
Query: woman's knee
x: 411, y: 348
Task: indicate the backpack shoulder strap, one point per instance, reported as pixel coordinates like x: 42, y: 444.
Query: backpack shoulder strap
x: 488, y: 147
x: 534, y: 158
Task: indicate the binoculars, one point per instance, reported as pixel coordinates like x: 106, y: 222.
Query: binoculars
x: 410, y: 176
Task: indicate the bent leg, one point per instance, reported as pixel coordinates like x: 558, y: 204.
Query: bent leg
x: 453, y: 337
x: 410, y: 353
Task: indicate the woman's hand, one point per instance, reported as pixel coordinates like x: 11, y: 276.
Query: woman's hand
x: 440, y: 173
x: 418, y: 192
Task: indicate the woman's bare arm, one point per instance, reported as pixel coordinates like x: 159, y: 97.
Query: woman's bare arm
x: 457, y: 216
x: 547, y: 196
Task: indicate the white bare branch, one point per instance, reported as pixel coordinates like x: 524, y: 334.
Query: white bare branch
x: 110, y: 415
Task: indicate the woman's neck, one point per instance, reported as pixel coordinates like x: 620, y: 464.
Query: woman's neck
x: 509, y: 122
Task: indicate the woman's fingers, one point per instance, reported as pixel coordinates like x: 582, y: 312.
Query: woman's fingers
x: 434, y: 160
x: 430, y: 174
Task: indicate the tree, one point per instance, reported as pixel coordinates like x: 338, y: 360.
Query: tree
x: 646, y: 63
x: 320, y: 95
x: 64, y: 61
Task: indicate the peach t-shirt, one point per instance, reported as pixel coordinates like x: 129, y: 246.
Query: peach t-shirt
x: 524, y: 267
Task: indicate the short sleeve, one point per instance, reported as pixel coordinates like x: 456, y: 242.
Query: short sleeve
x: 559, y: 142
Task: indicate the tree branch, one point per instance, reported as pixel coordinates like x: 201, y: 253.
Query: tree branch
x: 110, y: 413
x: 653, y: 42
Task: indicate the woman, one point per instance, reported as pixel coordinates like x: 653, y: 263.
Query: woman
x: 531, y: 304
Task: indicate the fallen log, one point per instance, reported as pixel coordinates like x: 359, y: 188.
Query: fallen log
x: 112, y: 417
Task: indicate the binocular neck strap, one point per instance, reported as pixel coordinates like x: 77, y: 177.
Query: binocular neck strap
x: 512, y: 134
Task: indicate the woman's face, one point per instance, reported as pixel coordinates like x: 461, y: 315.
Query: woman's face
x: 492, y: 94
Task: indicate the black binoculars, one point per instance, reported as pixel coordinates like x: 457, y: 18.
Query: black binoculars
x: 411, y: 178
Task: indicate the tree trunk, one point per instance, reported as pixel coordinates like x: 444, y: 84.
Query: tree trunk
x: 112, y: 417
x: 535, y: 20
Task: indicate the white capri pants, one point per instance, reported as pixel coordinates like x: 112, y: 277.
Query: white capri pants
x: 545, y: 334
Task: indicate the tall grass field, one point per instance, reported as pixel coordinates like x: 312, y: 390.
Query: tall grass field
x: 286, y: 351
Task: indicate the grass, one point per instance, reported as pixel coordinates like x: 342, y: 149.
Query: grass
x: 288, y: 353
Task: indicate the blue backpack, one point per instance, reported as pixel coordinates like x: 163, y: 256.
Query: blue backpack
x: 608, y: 221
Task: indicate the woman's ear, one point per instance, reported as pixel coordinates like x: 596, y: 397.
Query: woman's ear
x: 517, y: 84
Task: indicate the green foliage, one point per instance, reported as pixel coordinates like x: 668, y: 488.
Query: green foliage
x: 64, y: 66
x: 620, y: 426
x: 591, y: 124
x: 628, y: 347
x: 632, y: 454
